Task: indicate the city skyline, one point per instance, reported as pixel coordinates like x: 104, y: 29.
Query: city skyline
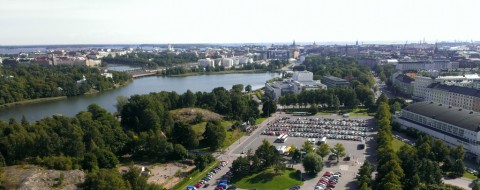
x: 32, y: 22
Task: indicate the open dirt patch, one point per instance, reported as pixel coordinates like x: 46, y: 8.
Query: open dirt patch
x: 167, y: 174
x: 35, y: 177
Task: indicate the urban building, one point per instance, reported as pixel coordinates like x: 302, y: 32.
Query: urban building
x: 404, y: 84
x: 302, y: 76
x: 300, y: 81
x: 227, y: 62
x: 206, y: 62
x: 278, y: 54
x: 428, y: 65
x: 422, y: 82
x: 335, y: 82
x: 454, y: 125
x: 458, y: 96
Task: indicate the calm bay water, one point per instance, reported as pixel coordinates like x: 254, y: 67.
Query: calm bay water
x: 71, y: 106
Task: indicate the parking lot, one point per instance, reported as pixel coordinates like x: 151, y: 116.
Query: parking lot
x: 349, y: 169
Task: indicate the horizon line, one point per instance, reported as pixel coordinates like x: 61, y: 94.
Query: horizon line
x: 386, y: 42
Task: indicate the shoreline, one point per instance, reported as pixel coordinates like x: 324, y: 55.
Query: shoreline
x: 48, y: 99
x: 217, y: 73
x: 32, y: 101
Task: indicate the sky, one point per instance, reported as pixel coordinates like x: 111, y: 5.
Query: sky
x: 34, y: 22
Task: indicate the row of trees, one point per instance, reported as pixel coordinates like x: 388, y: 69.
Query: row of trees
x: 272, y: 66
x: 26, y: 82
x: 332, y: 98
x: 419, y: 167
x: 152, y: 60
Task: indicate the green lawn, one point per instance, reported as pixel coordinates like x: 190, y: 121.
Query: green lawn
x: 469, y: 176
x: 323, y: 113
x: 199, y: 128
x: 260, y: 120
x: 194, y: 177
x: 358, y: 112
x: 269, y: 180
x: 232, y: 136
x: 396, y: 144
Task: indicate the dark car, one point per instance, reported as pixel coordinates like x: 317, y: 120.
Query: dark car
x: 232, y: 187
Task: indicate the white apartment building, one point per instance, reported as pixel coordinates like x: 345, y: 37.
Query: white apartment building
x: 456, y: 126
x: 227, y: 62
x: 458, y: 96
x: 421, y: 83
x: 206, y: 62
x: 302, y: 76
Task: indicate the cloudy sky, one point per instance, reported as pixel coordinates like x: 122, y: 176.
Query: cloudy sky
x: 235, y: 21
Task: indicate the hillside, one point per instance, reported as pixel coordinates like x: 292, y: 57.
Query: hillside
x: 189, y: 115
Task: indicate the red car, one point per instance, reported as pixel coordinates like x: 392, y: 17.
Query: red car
x: 198, y: 185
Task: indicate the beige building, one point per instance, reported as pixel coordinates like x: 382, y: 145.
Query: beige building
x: 458, y: 96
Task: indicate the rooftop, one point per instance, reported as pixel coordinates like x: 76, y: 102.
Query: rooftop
x: 456, y: 116
x: 456, y: 89
x: 335, y: 79
x: 404, y: 79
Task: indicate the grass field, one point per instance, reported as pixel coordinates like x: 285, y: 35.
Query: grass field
x: 358, y: 112
x: 269, y: 180
x: 260, y: 120
x: 324, y: 113
x: 469, y: 176
x: 194, y: 177
x: 199, y: 128
x: 396, y: 144
x: 232, y: 135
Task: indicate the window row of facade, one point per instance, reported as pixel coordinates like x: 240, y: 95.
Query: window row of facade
x: 456, y: 131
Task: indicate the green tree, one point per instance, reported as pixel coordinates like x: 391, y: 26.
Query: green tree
x: 121, y: 101
x: 312, y: 164
x: 248, y: 88
x: 202, y: 161
x: 179, y: 152
x: 382, y: 99
x: 339, y: 151
x: 240, y: 167
x: 313, y: 109
x: 307, y: 147
x: 323, y: 150
x: 185, y: 135
x: 214, y: 135
x: 391, y: 181
x: 237, y: 88
x: 336, y: 103
x: 105, y: 179
x: 138, y: 181
x: 269, y: 107
x: 90, y: 162
x: 268, y: 154
x: 475, y: 186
